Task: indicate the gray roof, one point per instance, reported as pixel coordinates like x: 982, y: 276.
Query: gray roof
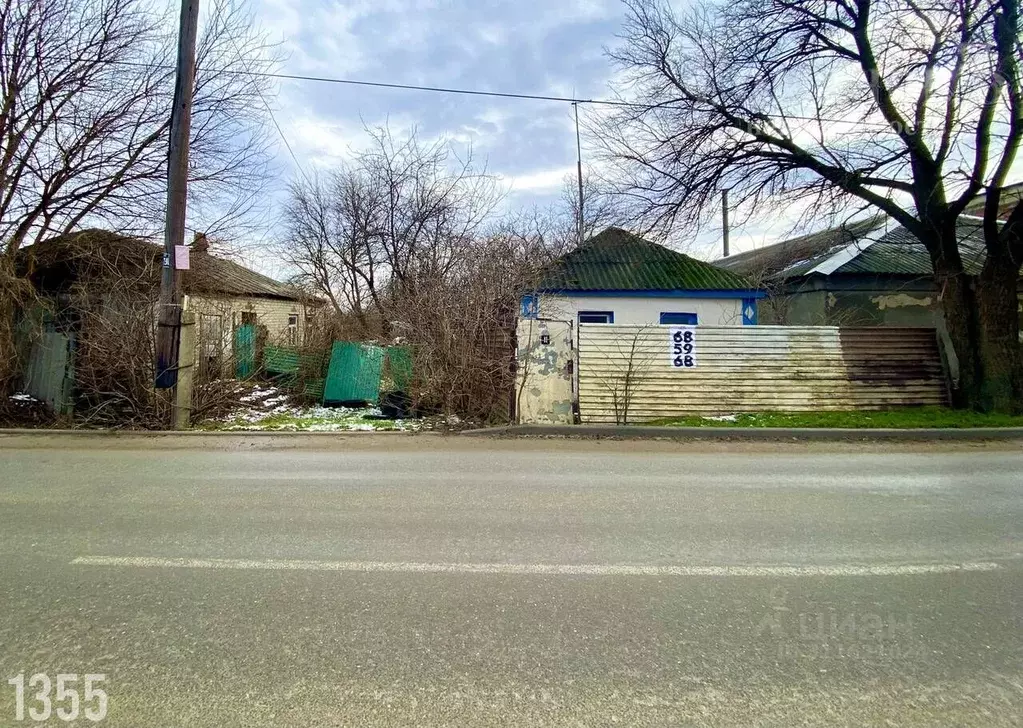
x: 769, y: 260
x: 874, y: 246
x: 209, y: 274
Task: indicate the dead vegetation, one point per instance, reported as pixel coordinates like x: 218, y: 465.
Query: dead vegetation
x: 405, y: 245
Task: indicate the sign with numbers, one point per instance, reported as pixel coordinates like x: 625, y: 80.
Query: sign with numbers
x: 682, y: 346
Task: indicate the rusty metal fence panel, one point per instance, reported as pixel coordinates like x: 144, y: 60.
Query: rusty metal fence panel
x: 635, y: 373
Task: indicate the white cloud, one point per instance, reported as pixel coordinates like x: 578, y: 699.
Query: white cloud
x: 544, y: 180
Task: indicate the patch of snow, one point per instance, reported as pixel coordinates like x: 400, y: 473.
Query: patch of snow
x: 722, y: 418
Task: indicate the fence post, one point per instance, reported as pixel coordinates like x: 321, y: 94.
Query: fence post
x: 186, y: 372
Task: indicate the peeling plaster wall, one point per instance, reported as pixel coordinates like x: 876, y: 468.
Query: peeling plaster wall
x: 901, y: 300
x: 543, y: 386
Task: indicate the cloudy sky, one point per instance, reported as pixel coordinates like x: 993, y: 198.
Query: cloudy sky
x: 543, y: 47
x: 546, y: 47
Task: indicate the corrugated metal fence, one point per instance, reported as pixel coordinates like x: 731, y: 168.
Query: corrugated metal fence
x: 49, y: 375
x: 638, y: 372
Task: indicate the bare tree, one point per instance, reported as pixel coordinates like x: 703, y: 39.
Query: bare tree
x: 405, y: 239
x: 601, y: 208
x: 87, y: 95
x: 402, y: 211
x: 84, y: 116
x: 627, y: 360
x: 905, y: 108
x: 330, y: 225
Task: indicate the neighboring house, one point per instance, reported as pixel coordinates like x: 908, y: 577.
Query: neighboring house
x: 102, y: 276
x: 870, y: 272
x: 867, y: 273
x: 620, y: 278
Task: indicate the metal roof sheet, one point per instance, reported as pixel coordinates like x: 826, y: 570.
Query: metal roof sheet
x: 618, y: 260
x: 875, y: 247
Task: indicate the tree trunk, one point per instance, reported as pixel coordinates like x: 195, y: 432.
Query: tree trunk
x: 1001, y: 388
x: 959, y: 306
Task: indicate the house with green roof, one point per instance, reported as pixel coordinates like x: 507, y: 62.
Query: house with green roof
x: 617, y: 277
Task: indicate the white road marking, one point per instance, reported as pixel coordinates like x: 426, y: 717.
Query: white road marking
x: 413, y: 567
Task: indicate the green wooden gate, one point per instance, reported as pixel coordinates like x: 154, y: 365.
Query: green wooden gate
x: 244, y: 351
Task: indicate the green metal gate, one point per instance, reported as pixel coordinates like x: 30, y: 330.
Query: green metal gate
x: 245, y: 351
x: 354, y: 373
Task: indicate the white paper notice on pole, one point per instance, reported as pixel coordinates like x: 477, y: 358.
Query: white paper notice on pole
x: 682, y: 347
x: 181, y: 259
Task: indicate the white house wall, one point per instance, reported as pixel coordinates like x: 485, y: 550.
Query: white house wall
x: 639, y: 311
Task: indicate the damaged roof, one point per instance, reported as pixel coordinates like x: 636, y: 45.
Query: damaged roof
x: 874, y: 246
x: 82, y: 252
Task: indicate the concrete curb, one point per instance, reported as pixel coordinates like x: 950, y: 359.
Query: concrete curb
x: 210, y: 433
x: 641, y: 432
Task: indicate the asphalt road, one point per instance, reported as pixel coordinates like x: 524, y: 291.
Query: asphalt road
x: 434, y: 582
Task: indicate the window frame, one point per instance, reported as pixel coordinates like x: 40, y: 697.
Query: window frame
x: 693, y: 319
x: 608, y: 315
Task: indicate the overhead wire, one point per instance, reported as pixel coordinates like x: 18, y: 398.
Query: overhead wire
x: 476, y: 92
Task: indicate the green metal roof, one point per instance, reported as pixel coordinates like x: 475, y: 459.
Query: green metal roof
x: 898, y: 252
x: 617, y: 260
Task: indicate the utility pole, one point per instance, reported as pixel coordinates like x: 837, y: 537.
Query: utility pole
x: 724, y: 220
x: 579, y: 170
x: 169, y: 316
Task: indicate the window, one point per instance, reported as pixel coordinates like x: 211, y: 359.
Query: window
x: 248, y: 318
x: 678, y: 318
x: 596, y: 317
x: 293, y: 329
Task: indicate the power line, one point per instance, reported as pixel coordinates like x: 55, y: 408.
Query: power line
x: 476, y: 92
x: 508, y: 95
x: 273, y: 118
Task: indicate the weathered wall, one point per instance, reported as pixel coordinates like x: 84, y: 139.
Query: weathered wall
x: 858, y: 301
x: 544, y: 363
x: 270, y: 312
x: 754, y: 369
x: 805, y: 308
x: 224, y: 315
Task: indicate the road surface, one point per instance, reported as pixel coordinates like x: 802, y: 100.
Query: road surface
x: 442, y: 582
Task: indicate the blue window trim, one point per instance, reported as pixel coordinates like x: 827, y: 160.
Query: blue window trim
x: 529, y: 306
x: 676, y: 293
x: 748, y: 320
x: 681, y: 318
x: 609, y: 314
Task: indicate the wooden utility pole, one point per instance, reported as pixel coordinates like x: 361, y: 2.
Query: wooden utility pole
x: 169, y: 316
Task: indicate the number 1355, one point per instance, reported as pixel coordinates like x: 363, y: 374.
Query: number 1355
x: 66, y: 697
